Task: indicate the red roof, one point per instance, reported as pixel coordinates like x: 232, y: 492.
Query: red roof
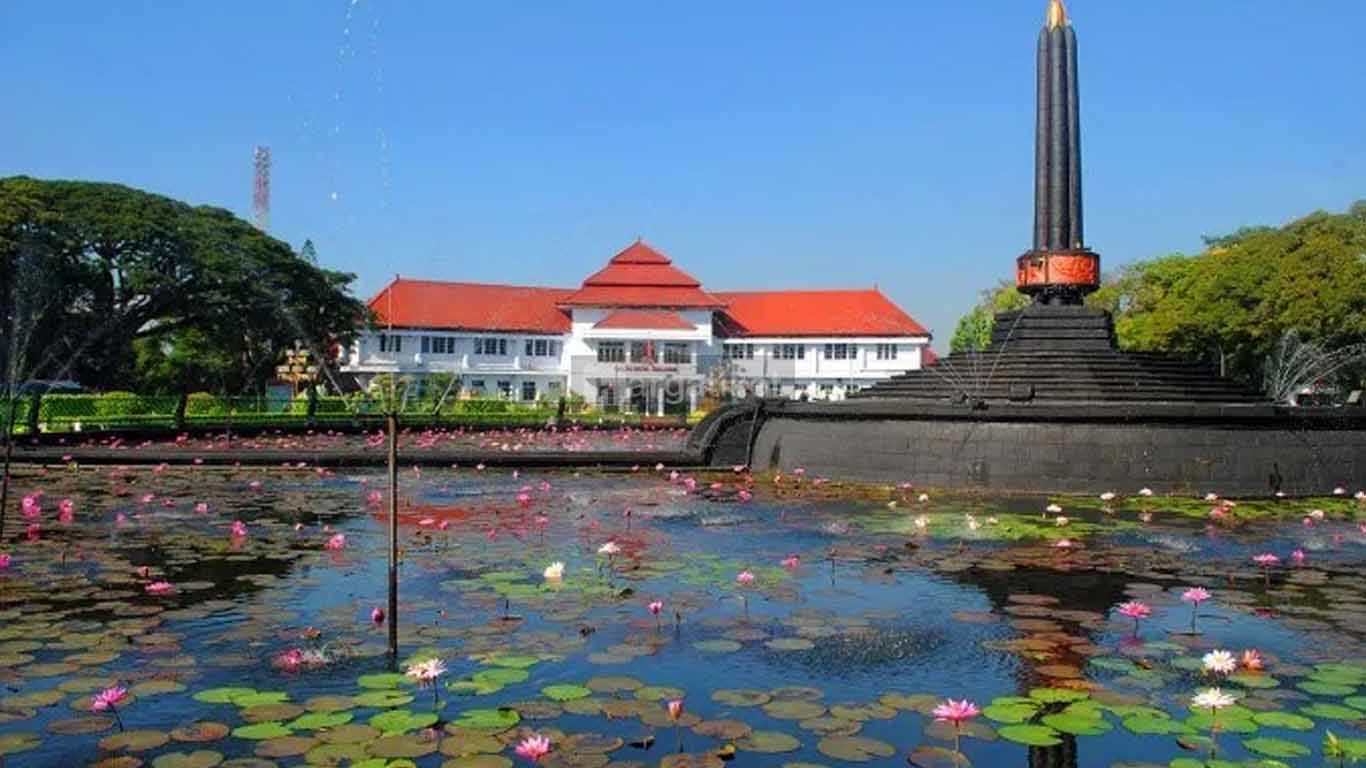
x: 471, y: 306
x: 641, y: 276
x: 644, y: 319
x: 814, y: 313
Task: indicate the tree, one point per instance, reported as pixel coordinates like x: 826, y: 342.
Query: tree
x: 973, y: 332
x: 136, y: 290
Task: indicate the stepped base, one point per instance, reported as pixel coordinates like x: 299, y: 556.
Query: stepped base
x: 1061, y: 354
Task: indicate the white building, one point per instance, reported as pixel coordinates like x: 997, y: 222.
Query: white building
x: 639, y: 334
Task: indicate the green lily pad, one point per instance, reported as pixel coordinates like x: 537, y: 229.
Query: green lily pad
x: 262, y: 731
x: 402, y: 746
x: 14, y: 743
x: 790, y: 644
x: 478, y: 761
x: 1148, y: 725
x: 793, y: 709
x: 1058, y: 695
x: 402, y: 721
x: 501, y: 675
x: 1031, y: 735
x: 1356, y: 702
x: 383, y: 699
x: 769, y: 742
x: 1077, y: 725
x: 316, y: 720
x: 514, y: 662
x: 1332, y: 711
x: 741, y: 697
x: 381, y: 680
x: 717, y: 646
x: 222, y: 695
x: 257, y: 698
x: 1011, y: 711
x: 138, y: 740
x: 1251, y: 680
x: 1204, y: 721
x: 658, y: 693
x: 855, y: 749
x: 1276, y: 747
x: 1284, y: 720
x: 937, y: 757
x: 565, y: 692
x: 488, y: 720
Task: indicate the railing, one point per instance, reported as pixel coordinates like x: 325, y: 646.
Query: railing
x: 127, y: 411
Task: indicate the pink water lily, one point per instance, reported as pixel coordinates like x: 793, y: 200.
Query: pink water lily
x: 956, y: 712
x: 744, y: 578
x: 4, y: 560
x: 1135, y: 610
x: 201, y: 507
x: 239, y: 529
x: 534, y: 747
x: 336, y: 542
x: 377, y: 615
x: 160, y: 588
x: 791, y: 562
x: 109, y: 699
x: 1195, y: 596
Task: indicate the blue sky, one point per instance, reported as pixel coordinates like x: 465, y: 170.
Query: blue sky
x: 761, y: 144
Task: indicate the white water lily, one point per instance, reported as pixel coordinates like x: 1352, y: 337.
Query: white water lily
x: 1222, y: 662
x: 1061, y: 521
x: 1053, y: 509
x: 609, y: 549
x: 923, y: 497
x: 1339, y: 491
x: 1107, y: 496
x: 1145, y: 491
x: 1213, y: 698
x: 554, y: 571
x: 922, y: 522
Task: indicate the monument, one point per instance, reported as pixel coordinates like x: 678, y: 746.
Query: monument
x: 1052, y: 404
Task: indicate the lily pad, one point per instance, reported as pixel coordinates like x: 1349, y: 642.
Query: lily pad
x: 717, y: 646
x: 402, y: 721
x: 383, y: 699
x: 566, y: 692
x: 769, y: 742
x: 14, y: 743
x: 854, y: 748
x: 402, y: 745
x: 381, y: 680
x: 1077, y: 725
x: 1276, y: 747
x: 199, y: 732
x: 316, y: 720
x: 1014, y: 710
x: 1333, y: 711
x: 1288, y: 720
x: 488, y: 720
x: 478, y: 761
x: 1057, y: 695
x: 227, y: 695
x: 937, y: 757
x: 741, y: 697
x: 262, y: 731
x: 793, y: 709
x: 1148, y: 725
x: 201, y: 758
x: 139, y: 740
x: 1031, y: 735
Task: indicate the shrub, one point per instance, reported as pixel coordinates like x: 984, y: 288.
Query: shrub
x: 205, y: 404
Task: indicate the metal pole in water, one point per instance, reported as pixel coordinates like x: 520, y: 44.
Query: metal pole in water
x: 391, y: 423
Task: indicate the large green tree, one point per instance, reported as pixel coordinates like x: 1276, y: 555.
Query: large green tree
x: 973, y: 332
x: 120, y: 288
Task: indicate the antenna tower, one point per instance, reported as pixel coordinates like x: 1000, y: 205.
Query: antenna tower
x: 260, y: 198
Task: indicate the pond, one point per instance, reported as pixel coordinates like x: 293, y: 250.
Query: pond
x: 798, y: 622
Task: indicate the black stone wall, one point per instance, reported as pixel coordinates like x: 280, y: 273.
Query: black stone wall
x: 1068, y: 456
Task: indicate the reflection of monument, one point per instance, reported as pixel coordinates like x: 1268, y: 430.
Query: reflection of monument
x: 1052, y: 404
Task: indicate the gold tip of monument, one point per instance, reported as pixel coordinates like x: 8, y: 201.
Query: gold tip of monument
x: 1057, y: 14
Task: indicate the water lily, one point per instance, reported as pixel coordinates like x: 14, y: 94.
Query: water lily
x: 1195, y: 596
x: 1213, y: 699
x: 1145, y: 492
x: 377, y: 615
x: 554, y: 571
x: 534, y: 747
x: 1135, y: 610
x: 425, y: 673
x: 609, y: 549
x: 922, y: 498
x: 744, y: 578
x: 1108, y: 496
x: 1252, y: 660
x: 921, y: 522
x: 160, y: 588
x: 1266, y: 561
x: 1053, y: 509
x: 675, y: 709
x: 336, y: 542
x: 956, y: 712
x: 1297, y: 557
x: 239, y: 529
x: 791, y: 562
x: 109, y: 699
x: 4, y: 560
x: 1339, y: 491
x: 1060, y: 521
x: 1219, y: 662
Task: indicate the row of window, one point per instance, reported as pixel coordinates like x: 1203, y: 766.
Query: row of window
x: 504, y: 388
x: 798, y: 351
x: 672, y: 353
x: 487, y: 346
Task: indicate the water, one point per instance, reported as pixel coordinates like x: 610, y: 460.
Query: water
x: 875, y: 623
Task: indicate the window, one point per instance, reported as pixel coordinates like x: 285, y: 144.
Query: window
x: 838, y: 351
x: 642, y: 352
x: 542, y: 348
x: 791, y: 351
x: 505, y: 389
x: 607, y: 396
x: 490, y: 346
x: 390, y: 343
x: 611, y: 352
x: 677, y: 354
x: 477, y: 386
x: 739, y: 351
x: 886, y: 351
x: 528, y: 390
x: 438, y: 345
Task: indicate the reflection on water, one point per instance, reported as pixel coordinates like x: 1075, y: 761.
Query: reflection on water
x: 866, y: 609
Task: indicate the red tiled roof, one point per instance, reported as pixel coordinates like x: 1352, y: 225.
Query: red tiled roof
x: 471, y: 306
x: 644, y: 319
x: 641, y: 276
x: 814, y: 313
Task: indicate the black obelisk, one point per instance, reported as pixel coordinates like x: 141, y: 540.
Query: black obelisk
x: 1059, y: 269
